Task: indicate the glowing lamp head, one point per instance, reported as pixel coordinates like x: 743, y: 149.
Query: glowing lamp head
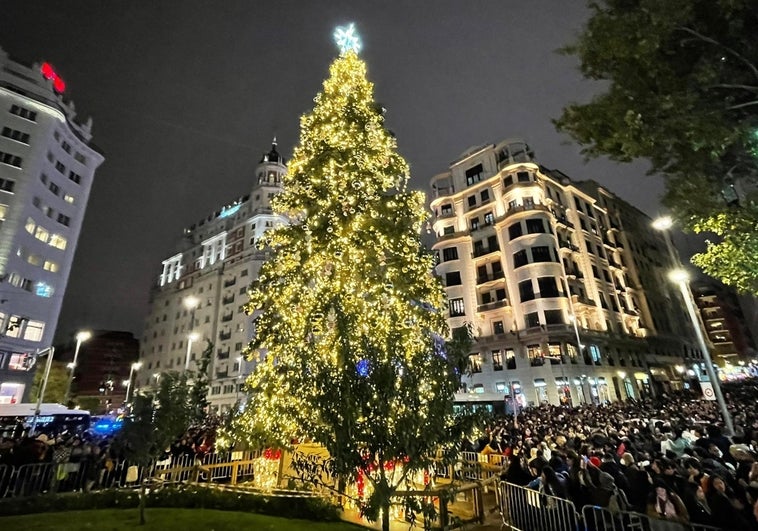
x: 71, y: 365
x: 194, y: 336
x: 84, y: 335
x: 679, y: 276
x: 137, y: 365
x: 663, y: 223
x: 191, y: 302
x: 622, y: 374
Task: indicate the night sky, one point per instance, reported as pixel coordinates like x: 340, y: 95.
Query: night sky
x: 187, y: 95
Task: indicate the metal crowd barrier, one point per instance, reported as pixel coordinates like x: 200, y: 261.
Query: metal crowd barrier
x: 525, y: 509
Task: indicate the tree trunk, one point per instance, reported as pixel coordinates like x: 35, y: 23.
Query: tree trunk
x: 142, y: 494
x: 386, y: 516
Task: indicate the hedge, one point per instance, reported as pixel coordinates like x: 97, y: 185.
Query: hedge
x: 181, y: 497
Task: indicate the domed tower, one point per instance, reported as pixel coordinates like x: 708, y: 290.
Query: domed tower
x: 268, y: 180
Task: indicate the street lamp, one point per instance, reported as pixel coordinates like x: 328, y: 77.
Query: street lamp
x: 680, y: 277
x: 190, y: 338
x: 40, y: 396
x: 80, y: 338
x: 137, y: 365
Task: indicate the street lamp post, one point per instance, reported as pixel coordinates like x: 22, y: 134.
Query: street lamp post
x: 137, y: 365
x: 191, y: 303
x: 80, y: 338
x: 41, y: 394
x: 680, y: 276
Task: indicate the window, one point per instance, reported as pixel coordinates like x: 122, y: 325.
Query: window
x: 448, y: 230
x: 489, y: 218
x: 541, y: 254
x: 472, y: 201
x: 19, y: 362
x: 523, y: 176
x: 457, y: 308
x: 10, y: 159
x: 475, y: 362
x: 554, y: 317
x: 535, y: 226
x: 578, y: 204
x: 514, y: 231
x: 535, y: 355
x: 24, y: 113
x: 13, y: 134
x: 532, y: 320
x: 497, y: 327
x: 64, y: 220
x: 7, y: 185
x: 78, y: 157
x: 500, y: 387
x: 485, y: 196
x: 475, y: 223
x: 446, y: 210
x: 34, y: 330
x: 66, y: 147
x: 54, y: 188
x: 474, y: 174
x: 497, y: 360
x: 449, y: 253
x: 595, y: 272
x: 548, y: 287
x: 60, y: 167
x: 58, y: 241
x: 526, y: 291
x: 453, y: 278
x: 508, y: 181
x: 595, y: 354
x: 510, y: 358
x: 519, y: 259
x: 68, y: 198
x: 42, y: 234
x: 75, y: 177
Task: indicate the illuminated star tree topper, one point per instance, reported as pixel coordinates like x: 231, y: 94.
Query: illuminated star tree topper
x: 347, y: 39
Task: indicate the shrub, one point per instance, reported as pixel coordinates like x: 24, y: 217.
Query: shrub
x: 181, y: 497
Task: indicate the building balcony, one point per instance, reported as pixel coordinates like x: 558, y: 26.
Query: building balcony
x: 482, y: 251
x: 227, y: 299
x: 443, y: 191
x: 445, y: 214
x: 230, y: 282
x: 222, y: 374
x: 565, y: 244
x: 228, y: 317
x: 482, y: 279
x: 562, y: 220
x: 492, y: 306
x: 575, y: 274
x: 223, y: 336
x: 525, y: 208
x: 223, y: 354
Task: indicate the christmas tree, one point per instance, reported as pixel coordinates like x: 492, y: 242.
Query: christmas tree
x: 349, y: 320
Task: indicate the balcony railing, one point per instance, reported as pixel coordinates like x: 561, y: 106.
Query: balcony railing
x: 481, y: 251
x: 565, y: 244
x: 230, y: 282
x: 492, y: 305
x: 562, y: 220
x: 228, y: 317
x: 228, y: 299
x: 223, y: 336
x: 223, y: 354
x: 525, y: 208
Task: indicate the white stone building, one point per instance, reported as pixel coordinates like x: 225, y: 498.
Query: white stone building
x: 47, y: 166
x: 537, y: 264
x: 202, y: 288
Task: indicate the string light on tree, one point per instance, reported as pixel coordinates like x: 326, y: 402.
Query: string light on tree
x: 349, y: 321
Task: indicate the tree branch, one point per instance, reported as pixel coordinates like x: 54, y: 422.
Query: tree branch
x: 741, y: 105
x: 729, y: 50
x: 750, y: 88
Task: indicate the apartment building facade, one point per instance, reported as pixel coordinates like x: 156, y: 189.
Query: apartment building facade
x: 198, y: 297
x: 47, y: 166
x: 564, y: 285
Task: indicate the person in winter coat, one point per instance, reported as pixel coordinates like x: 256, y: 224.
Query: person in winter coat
x: 666, y: 505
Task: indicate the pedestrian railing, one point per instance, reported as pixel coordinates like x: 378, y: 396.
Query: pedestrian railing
x: 524, y: 509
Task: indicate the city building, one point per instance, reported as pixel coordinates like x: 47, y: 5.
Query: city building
x: 564, y: 285
x: 102, y: 370
x: 724, y: 323
x: 198, y: 298
x: 47, y: 165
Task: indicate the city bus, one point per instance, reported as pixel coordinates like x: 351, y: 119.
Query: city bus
x: 52, y: 418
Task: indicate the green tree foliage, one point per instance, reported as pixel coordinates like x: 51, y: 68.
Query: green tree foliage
x: 682, y: 87
x: 349, y: 319
x: 157, y: 419
x: 57, y: 381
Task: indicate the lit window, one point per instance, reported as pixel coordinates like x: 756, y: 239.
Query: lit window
x: 19, y: 362
x: 51, y: 266
x: 42, y: 289
x: 68, y: 198
x: 58, y: 241
x: 42, y: 234
x: 34, y: 330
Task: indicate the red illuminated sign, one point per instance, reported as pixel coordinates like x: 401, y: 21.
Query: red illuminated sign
x: 48, y: 72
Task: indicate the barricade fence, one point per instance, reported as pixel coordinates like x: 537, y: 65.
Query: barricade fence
x: 524, y: 509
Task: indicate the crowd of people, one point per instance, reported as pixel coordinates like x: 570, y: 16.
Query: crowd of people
x: 87, y: 460
x: 668, y: 458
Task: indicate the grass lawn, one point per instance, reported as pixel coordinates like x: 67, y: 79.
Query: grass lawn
x: 160, y: 519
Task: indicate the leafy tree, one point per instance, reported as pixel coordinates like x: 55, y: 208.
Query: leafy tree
x: 682, y: 92
x: 350, y: 320
x: 57, y: 381
x: 157, y: 419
